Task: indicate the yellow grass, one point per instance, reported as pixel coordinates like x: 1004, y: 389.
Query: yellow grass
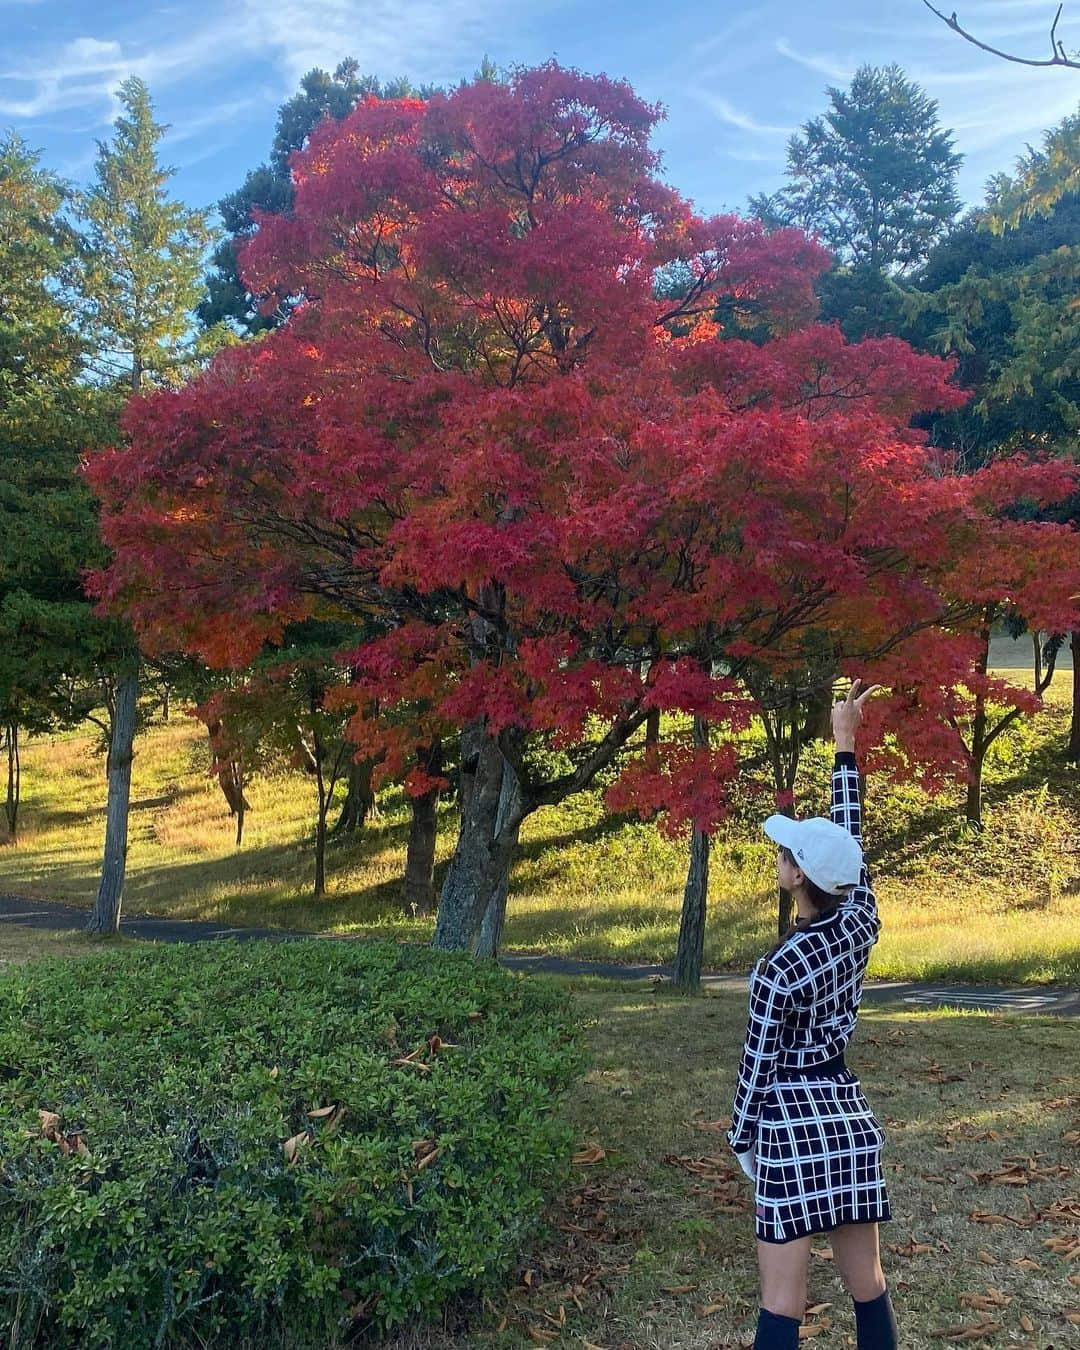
x: 1004, y: 905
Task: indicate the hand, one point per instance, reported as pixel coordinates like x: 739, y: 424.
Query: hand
x: 747, y: 1160
x: 847, y: 715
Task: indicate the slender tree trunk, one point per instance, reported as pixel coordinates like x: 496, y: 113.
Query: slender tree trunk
x: 490, y: 936
x: 165, y: 704
x: 784, y: 747
x: 979, y: 745
x: 686, y: 974
x: 973, y: 804
x: 359, y: 804
x: 1072, y: 752
x: 229, y: 771
x: 105, y: 916
x: 419, y: 886
x: 14, y: 779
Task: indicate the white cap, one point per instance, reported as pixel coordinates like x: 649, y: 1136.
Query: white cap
x: 829, y: 855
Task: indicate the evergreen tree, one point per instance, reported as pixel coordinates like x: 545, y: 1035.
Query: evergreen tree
x: 143, y: 258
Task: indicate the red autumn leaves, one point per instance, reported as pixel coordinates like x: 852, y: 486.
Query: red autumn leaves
x: 563, y: 498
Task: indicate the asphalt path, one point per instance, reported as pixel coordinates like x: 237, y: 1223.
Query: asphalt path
x: 1055, y: 1000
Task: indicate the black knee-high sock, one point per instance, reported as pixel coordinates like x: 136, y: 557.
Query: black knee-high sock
x: 775, y: 1331
x: 875, y: 1323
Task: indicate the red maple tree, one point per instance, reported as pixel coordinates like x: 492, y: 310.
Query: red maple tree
x: 569, y: 500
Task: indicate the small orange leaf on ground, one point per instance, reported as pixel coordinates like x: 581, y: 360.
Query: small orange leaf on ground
x: 976, y: 1331
x: 1025, y: 1263
x: 1026, y: 1324
x: 678, y: 1288
x: 587, y: 1156
x: 986, y: 1258
x: 542, y: 1337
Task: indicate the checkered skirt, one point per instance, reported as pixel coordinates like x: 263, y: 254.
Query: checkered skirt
x: 818, y: 1159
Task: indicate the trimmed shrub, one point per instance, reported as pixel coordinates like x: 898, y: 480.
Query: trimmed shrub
x: 288, y: 1143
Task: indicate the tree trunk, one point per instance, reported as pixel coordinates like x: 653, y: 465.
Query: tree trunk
x: 165, y: 704
x: 1072, y: 752
x: 979, y: 744
x: 359, y: 804
x: 474, y: 872
x: 226, y: 766
x: 973, y: 805
x: 490, y: 936
x: 105, y: 916
x: 419, y: 885
x: 14, y: 779
x: 691, y: 946
x: 472, y: 738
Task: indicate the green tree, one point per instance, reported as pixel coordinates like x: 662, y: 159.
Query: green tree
x: 1002, y: 298
x: 875, y: 178
x: 50, y: 642
x: 269, y: 187
x: 141, y: 279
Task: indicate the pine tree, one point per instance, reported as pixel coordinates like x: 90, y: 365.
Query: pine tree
x: 141, y: 281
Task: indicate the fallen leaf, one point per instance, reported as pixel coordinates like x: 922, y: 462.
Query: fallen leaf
x: 321, y: 1112
x: 587, y: 1156
x: 1026, y: 1324
x: 291, y: 1146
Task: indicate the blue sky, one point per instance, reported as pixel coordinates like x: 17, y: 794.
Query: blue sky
x: 736, y: 78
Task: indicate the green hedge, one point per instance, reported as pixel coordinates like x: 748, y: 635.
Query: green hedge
x: 187, y: 1194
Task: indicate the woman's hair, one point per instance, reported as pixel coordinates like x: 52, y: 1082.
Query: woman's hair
x: 825, y: 902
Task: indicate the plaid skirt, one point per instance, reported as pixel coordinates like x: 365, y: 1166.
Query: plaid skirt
x: 818, y: 1162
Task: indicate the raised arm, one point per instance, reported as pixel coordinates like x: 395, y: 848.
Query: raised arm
x: 846, y: 809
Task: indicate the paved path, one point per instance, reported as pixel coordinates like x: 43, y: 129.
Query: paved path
x: 1059, y: 1001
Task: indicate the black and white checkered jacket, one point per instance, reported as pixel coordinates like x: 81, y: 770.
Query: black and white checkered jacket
x: 804, y: 998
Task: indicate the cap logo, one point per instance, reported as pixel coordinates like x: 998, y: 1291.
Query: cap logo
x: 799, y: 853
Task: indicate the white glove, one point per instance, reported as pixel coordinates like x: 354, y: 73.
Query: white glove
x: 747, y: 1160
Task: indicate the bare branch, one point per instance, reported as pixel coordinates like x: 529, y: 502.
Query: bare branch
x: 1058, y: 55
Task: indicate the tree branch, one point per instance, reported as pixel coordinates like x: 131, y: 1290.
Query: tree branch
x: 1058, y: 55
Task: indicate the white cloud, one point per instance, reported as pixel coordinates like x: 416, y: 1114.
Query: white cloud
x: 441, y: 40
x: 824, y: 63
x: 734, y: 117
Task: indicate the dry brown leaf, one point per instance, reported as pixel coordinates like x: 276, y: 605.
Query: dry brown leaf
x: 710, y: 1309
x: 321, y: 1112
x: 1026, y: 1324
x: 274, y: 1071
x: 428, y: 1159
x: 678, y: 1288
x: 292, y: 1146
x: 986, y: 1258
x: 542, y: 1337
x: 1025, y: 1263
x: 993, y: 1298
x: 975, y: 1331
x: 1072, y: 1316
x: 587, y: 1156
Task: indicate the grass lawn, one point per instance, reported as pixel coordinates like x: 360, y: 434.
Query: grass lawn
x: 1003, y: 905
x: 653, y: 1246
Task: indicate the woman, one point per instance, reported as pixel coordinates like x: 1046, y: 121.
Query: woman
x: 801, y: 1127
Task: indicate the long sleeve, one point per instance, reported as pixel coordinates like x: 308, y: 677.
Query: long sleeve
x: 847, y: 811
x: 770, y: 1002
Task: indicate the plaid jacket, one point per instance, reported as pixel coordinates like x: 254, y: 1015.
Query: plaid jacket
x: 804, y: 998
